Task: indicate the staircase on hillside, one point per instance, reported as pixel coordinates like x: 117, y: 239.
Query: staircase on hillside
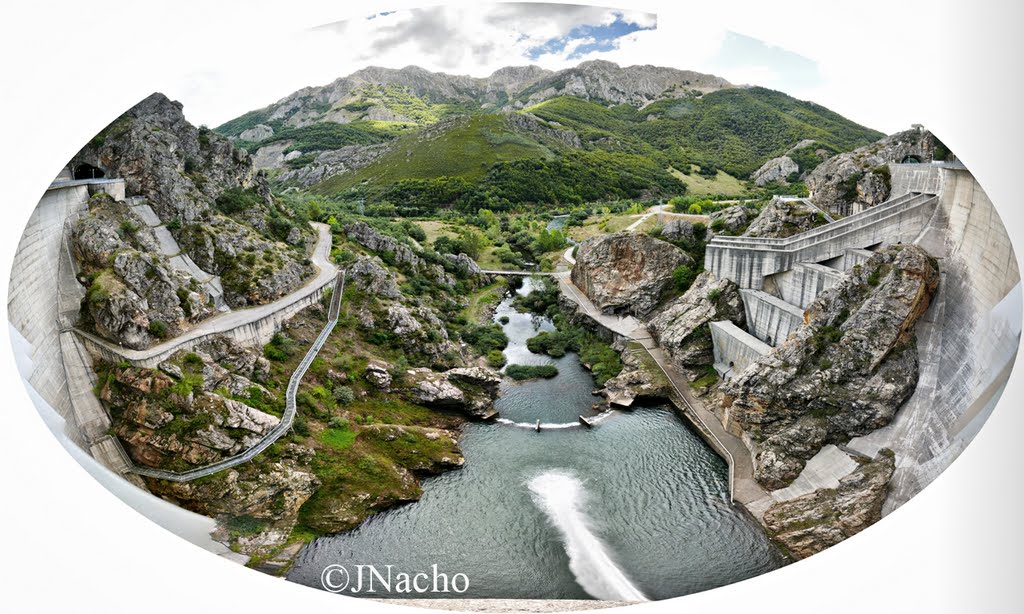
x: 780, y: 277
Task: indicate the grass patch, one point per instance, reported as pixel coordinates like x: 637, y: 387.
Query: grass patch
x: 337, y: 438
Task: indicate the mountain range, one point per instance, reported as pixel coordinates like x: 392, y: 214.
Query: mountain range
x: 596, y: 131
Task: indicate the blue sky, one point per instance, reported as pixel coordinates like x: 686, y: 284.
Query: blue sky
x: 589, y: 38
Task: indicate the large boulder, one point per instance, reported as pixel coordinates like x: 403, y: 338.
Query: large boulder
x: 784, y: 218
x: 626, y: 272
x: 843, y: 374
x: 470, y: 390
x: 681, y: 326
x: 862, y: 176
x: 640, y: 380
x: 776, y: 170
x: 731, y: 220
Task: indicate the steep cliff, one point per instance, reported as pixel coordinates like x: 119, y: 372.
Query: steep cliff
x: 207, y: 194
x: 681, y: 326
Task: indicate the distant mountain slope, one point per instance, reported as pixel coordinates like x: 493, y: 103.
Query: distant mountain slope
x: 369, y: 132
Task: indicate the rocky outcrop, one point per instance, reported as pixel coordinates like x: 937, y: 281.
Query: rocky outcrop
x: 263, y: 497
x: 369, y: 275
x: 257, y: 133
x: 177, y: 423
x: 809, y: 524
x: 206, y: 191
x: 470, y: 390
x: 841, y: 375
x: 402, y: 254
x: 862, y: 176
x: 679, y: 231
x: 731, y: 220
x: 134, y: 296
x: 638, y: 381
x: 681, y: 326
x: 531, y: 124
x: 784, y: 218
x: 378, y: 373
x: 776, y: 170
x: 330, y: 163
x: 464, y: 265
x: 626, y: 272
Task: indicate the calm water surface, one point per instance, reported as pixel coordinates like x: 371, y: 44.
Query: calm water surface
x: 635, y: 508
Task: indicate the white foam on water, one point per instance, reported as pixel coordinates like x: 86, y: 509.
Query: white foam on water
x: 560, y: 495
x: 556, y: 425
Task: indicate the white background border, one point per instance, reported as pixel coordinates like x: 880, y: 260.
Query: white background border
x: 71, y: 67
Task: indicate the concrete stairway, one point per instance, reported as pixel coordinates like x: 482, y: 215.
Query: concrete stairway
x: 781, y: 277
x: 749, y: 260
x: 178, y: 259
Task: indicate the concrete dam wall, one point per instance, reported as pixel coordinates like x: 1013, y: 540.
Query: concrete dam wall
x: 966, y: 342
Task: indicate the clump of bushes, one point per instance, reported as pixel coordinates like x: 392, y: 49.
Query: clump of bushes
x: 523, y: 372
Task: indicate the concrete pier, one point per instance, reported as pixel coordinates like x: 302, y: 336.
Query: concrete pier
x: 802, y: 284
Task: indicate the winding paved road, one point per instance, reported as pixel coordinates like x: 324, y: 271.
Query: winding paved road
x: 226, y: 321
x: 289, y: 411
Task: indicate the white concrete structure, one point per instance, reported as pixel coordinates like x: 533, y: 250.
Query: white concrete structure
x: 967, y: 340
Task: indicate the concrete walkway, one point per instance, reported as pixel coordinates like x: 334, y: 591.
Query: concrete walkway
x: 743, y: 488
x: 227, y: 321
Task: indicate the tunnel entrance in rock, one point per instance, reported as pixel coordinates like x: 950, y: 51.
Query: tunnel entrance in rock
x: 88, y: 171
x: 911, y: 160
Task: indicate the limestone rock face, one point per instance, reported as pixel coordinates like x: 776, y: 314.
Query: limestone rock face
x: 811, y: 523
x: 271, y: 493
x: 525, y: 122
x: 176, y: 166
x: 329, y: 163
x: 369, y: 238
x: 731, y: 220
x: 781, y: 218
x: 182, y: 171
x: 861, y: 176
x: 378, y: 373
x: 470, y: 390
x: 257, y: 133
x: 129, y: 285
x: 681, y: 326
x: 775, y: 170
x: 841, y: 375
x: 368, y: 274
x: 626, y: 272
x: 464, y: 263
x: 678, y: 230
x: 173, y: 422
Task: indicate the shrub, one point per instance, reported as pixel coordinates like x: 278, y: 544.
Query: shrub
x: 496, y: 359
x: 343, y: 395
x: 158, y: 329
x: 714, y: 294
x: 522, y: 372
x: 694, y: 209
x: 236, y: 200
x: 683, y: 277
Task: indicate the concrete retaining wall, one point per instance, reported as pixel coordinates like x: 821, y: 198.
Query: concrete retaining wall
x: 908, y: 178
x: 735, y: 349
x: 258, y: 332
x: 769, y: 318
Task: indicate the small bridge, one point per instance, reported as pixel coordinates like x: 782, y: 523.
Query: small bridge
x: 517, y: 273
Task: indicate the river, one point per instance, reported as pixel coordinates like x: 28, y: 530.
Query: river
x: 636, y: 508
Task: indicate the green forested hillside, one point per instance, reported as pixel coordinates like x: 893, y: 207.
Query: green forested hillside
x: 471, y: 154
